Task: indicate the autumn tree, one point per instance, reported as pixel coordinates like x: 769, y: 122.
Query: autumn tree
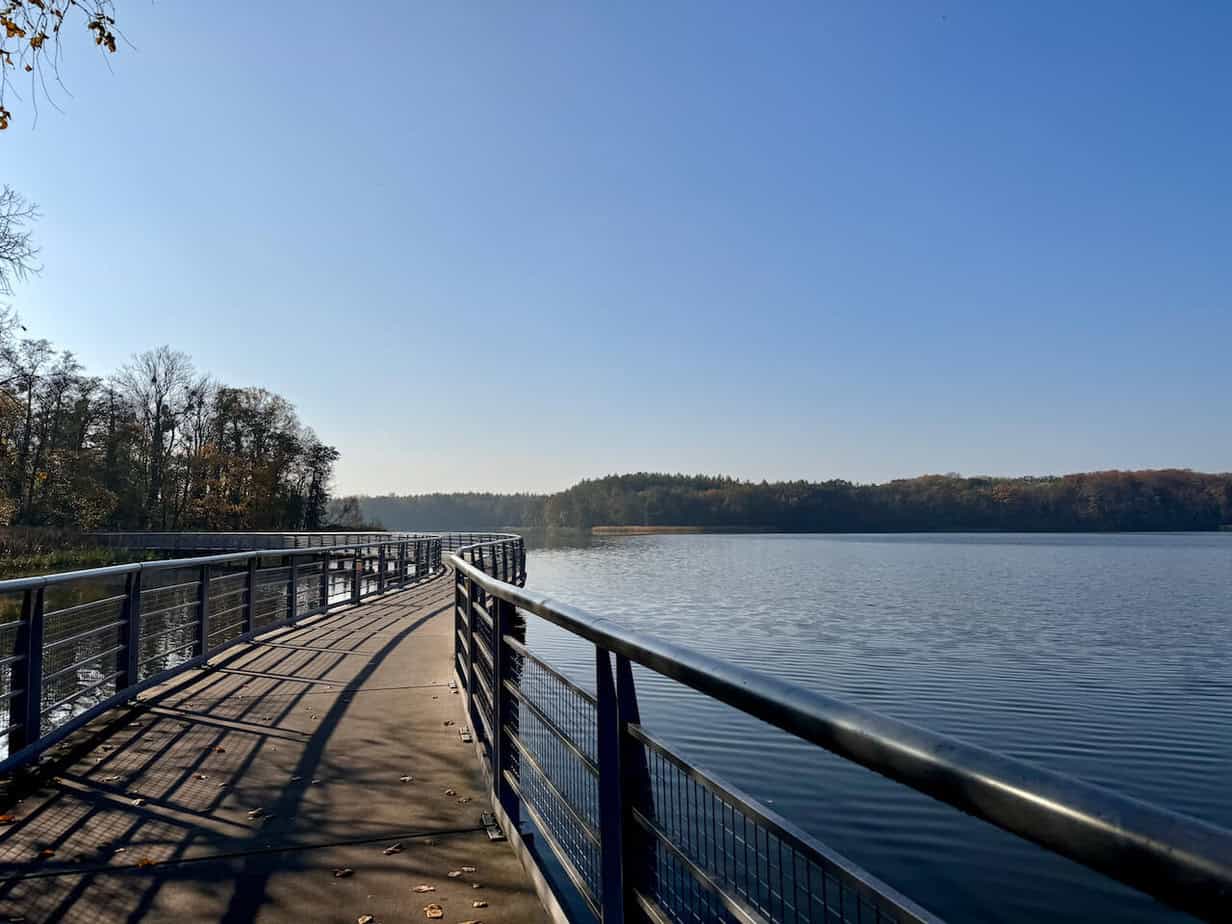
x: 30, y: 41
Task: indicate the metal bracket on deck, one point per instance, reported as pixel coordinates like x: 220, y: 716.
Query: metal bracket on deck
x: 465, y: 735
x: 488, y: 820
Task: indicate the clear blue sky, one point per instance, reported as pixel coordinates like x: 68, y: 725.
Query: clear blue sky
x: 508, y: 245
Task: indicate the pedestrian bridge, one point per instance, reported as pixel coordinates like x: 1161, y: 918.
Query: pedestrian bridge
x: 352, y: 727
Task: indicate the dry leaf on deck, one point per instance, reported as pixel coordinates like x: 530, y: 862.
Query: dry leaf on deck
x: 454, y: 873
x: 392, y: 849
x: 434, y: 911
x: 342, y: 872
x: 365, y: 919
x: 424, y: 888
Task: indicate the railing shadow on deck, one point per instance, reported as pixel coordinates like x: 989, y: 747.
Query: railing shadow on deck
x: 176, y: 830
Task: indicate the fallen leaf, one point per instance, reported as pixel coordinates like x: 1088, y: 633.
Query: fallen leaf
x: 296, y: 779
x: 448, y: 722
x: 451, y: 792
x: 407, y: 779
x: 464, y: 800
x: 111, y: 779
x: 468, y: 869
x: 256, y: 813
x: 47, y: 852
x: 220, y: 750
x: 365, y: 919
x: 392, y: 849
x: 7, y: 819
x: 434, y: 911
x: 144, y: 862
x: 424, y: 888
x: 201, y: 776
x: 479, y: 903
x: 139, y: 802
x: 314, y: 782
x: 342, y: 872
x: 454, y: 873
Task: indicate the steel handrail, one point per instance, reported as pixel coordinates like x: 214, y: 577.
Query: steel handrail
x: 1180, y: 860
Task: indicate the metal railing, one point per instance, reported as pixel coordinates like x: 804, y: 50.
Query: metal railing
x: 200, y: 541
x: 75, y: 644
x: 641, y: 832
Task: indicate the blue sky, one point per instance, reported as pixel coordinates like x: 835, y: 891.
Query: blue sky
x: 506, y: 246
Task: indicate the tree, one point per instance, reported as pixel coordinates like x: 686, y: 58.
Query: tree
x: 157, y: 383
x: 30, y: 32
x: 17, y: 250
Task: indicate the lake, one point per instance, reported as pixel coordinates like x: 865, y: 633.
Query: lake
x: 1107, y: 657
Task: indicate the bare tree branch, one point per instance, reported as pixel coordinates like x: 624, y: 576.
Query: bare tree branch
x: 30, y: 32
x: 17, y: 250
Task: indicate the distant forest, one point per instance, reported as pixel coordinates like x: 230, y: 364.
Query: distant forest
x: 156, y: 445
x: 1167, y: 499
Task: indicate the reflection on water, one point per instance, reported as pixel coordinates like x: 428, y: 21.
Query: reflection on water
x: 1104, y: 657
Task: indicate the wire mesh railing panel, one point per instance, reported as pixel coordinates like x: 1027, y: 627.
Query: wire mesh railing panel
x: 10, y: 624
x: 309, y: 595
x: 552, y: 727
x: 81, y: 656
x: 569, y: 708
x: 170, y: 617
x: 272, y: 604
x: 228, y: 597
x: 570, y: 836
x: 712, y: 854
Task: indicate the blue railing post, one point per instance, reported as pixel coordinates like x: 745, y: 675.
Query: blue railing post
x: 611, y: 794
x: 401, y: 564
x: 203, y: 612
x: 637, y: 792
x: 471, y: 710
x: 293, y: 588
x: 26, y: 680
x: 325, y: 559
x: 380, y: 568
x: 502, y: 620
x: 250, y: 598
x: 357, y: 576
x: 128, y: 666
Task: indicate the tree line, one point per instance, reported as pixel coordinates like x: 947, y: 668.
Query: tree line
x: 1165, y: 499
x: 156, y: 445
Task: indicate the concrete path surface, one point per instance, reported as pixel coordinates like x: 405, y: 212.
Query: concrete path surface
x: 307, y: 777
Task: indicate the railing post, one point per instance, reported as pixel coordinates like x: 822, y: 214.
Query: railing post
x: 203, y: 611
x: 470, y: 655
x: 293, y: 589
x: 380, y: 568
x: 401, y: 564
x: 250, y: 598
x: 325, y: 560
x: 611, y: 794
x: 130, y: 633
x: 26, y: 680
x: 502, y: 623
x: 357, y: 575
x: 637, y: 792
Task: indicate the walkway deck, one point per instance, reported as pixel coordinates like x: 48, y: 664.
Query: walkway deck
x: 314, y: 728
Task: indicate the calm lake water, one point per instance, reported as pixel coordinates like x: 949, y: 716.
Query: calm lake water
x: 1107, y: 657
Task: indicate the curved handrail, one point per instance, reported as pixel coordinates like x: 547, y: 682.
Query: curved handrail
x: 1180, y: 860
x: 373, y: 564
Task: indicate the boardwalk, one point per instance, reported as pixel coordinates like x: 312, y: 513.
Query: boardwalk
x: 312, y: 730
